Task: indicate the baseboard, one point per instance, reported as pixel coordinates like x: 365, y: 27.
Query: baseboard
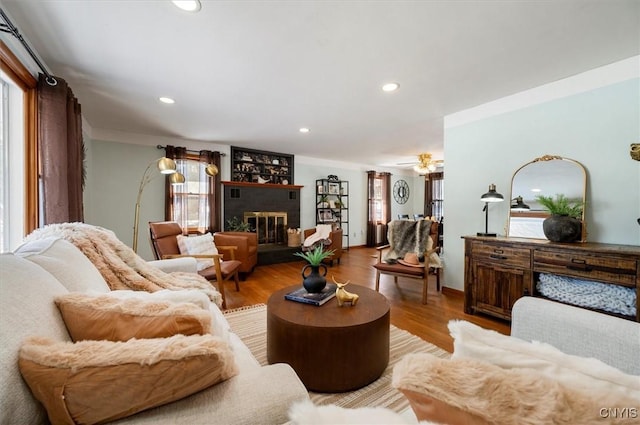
x: 450, y: 291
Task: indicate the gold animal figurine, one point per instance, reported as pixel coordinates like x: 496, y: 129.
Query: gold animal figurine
x: 343, y: 296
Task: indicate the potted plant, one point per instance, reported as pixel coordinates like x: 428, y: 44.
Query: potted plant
x: 236, y: 225
x: 314, y: 281
x: 324, y: 202
x: 564, y: 224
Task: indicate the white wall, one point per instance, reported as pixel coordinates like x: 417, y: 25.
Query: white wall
x: 594, y: 127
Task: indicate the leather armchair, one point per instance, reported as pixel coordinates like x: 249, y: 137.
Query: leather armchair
x: 247, y: 248
x: 336, y: 244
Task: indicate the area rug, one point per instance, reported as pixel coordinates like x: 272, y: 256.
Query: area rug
x: 250, y: 324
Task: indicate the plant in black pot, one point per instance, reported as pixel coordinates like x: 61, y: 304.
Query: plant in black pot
x: 314, y: 281
x: 563, y: 225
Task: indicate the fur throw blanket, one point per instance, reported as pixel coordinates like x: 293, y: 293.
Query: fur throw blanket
x: 411, y: 236
x: 471, y: 391
x: 120, y: 267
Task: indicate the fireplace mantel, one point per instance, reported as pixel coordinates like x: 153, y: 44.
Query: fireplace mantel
x: 270, y: 185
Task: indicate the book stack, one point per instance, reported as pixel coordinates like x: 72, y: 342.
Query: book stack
x: 318, y: 298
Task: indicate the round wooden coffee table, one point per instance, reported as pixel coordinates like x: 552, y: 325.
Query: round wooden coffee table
x: 331, y: 348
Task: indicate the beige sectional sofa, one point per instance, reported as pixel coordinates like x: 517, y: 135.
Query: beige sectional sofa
x: 38, y: 272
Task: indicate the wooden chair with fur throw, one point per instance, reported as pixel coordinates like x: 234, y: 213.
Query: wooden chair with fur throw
x: 412, y: 251
x: 164, y: 240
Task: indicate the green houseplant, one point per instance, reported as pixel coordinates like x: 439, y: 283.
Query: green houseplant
x: 564, y: 224
x: 314, y: 281
x: 236, y: 225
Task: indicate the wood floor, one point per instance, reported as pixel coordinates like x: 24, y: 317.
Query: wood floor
x: 407, y: 312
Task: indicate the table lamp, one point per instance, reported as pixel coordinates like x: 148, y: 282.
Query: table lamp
x: 490, y: 196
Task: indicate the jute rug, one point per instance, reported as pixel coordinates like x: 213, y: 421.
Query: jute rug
x: 250, y: 324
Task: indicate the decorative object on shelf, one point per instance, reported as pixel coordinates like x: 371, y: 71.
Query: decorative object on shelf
x: 333, y: 178
x: 261, y: 167
x: 343, y: 295
x: 564, y: 224
x: 517, y: 204
x: 166, y: 166
x: 401, y: 191
x: 489, y: 197
x: 334, y: 188
x: 314, y: 281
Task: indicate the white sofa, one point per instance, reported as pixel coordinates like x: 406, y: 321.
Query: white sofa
x: 31, y: 277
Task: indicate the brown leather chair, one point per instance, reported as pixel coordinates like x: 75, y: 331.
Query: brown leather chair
x: 336, y: 244
x: 247, y: 248
x: 164, y: 240
x: 400, y: 270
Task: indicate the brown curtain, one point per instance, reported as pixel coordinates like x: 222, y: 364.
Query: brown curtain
x: 215, y: 204
x: 373, y: 220
x: 174, y: 153
x: 61, y: 152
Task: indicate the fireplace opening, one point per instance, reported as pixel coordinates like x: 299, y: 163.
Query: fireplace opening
x: 270, y: 227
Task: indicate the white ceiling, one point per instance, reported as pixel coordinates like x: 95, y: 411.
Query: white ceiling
x: 251, y: 73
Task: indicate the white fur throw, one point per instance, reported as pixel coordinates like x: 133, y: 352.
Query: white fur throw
x: 306, y: 413
x: 120, y: 267
x: 198, y: 245
x: 503, y: 396
x: 474, y: 342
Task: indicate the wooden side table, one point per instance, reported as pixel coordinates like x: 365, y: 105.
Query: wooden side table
x: 331, y: 348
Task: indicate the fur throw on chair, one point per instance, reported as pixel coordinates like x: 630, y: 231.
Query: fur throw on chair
x: 120, y: 267
x: 407, y: 236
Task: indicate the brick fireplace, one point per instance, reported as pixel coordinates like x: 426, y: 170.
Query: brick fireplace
x: 270, y: 209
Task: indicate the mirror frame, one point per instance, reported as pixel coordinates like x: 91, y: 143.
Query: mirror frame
x: 546, y: 158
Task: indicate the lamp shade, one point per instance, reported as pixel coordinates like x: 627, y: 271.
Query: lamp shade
x: 519, y: 205
x: 492, y: 195
x: 211, y: 170
x: 166, y: 165
x: 176, y: 178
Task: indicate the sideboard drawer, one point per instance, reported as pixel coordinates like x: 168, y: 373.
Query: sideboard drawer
x: 599, y: 268
x: 500, y: 254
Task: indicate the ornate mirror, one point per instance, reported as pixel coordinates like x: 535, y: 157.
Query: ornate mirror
x: 547, y: 176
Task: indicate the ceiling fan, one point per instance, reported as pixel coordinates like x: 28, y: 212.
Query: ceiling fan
x: 425, y: 164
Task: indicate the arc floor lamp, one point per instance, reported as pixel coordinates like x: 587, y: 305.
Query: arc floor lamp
x: 165, y: 166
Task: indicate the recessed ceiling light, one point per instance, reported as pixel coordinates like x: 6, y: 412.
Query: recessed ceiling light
x: 167, y: 100
x: 188, y: 5
x: 304, y: 130
x: 391, y: 87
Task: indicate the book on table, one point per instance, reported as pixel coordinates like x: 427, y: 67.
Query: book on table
x: 302, y: 296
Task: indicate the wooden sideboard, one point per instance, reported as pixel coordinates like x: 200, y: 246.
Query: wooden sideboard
x: 498, y: 271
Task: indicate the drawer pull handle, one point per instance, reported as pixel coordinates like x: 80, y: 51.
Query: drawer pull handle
x: 579, y: 265
x: 498, y: 257
x: 498, y: 251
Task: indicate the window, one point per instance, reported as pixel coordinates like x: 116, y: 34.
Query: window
x: 190, y: 202
x: 434, y: 195
x: 18, y: 163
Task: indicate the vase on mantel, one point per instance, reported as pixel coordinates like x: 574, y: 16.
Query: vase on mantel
x: 313, y: 281
x: 562, y: 228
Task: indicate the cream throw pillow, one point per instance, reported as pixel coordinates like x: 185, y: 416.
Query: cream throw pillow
x: 198, y: 245
x: 219, y: 324
x: 103, y: 317
x: 100, y: 381
x: 473, y: 342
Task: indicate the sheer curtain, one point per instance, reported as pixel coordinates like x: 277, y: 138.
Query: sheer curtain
x: 196, y: 204
x: 61, y: 153
x: 378, y: 207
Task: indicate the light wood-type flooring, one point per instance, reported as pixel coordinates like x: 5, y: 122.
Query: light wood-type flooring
x: 428, y: 321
